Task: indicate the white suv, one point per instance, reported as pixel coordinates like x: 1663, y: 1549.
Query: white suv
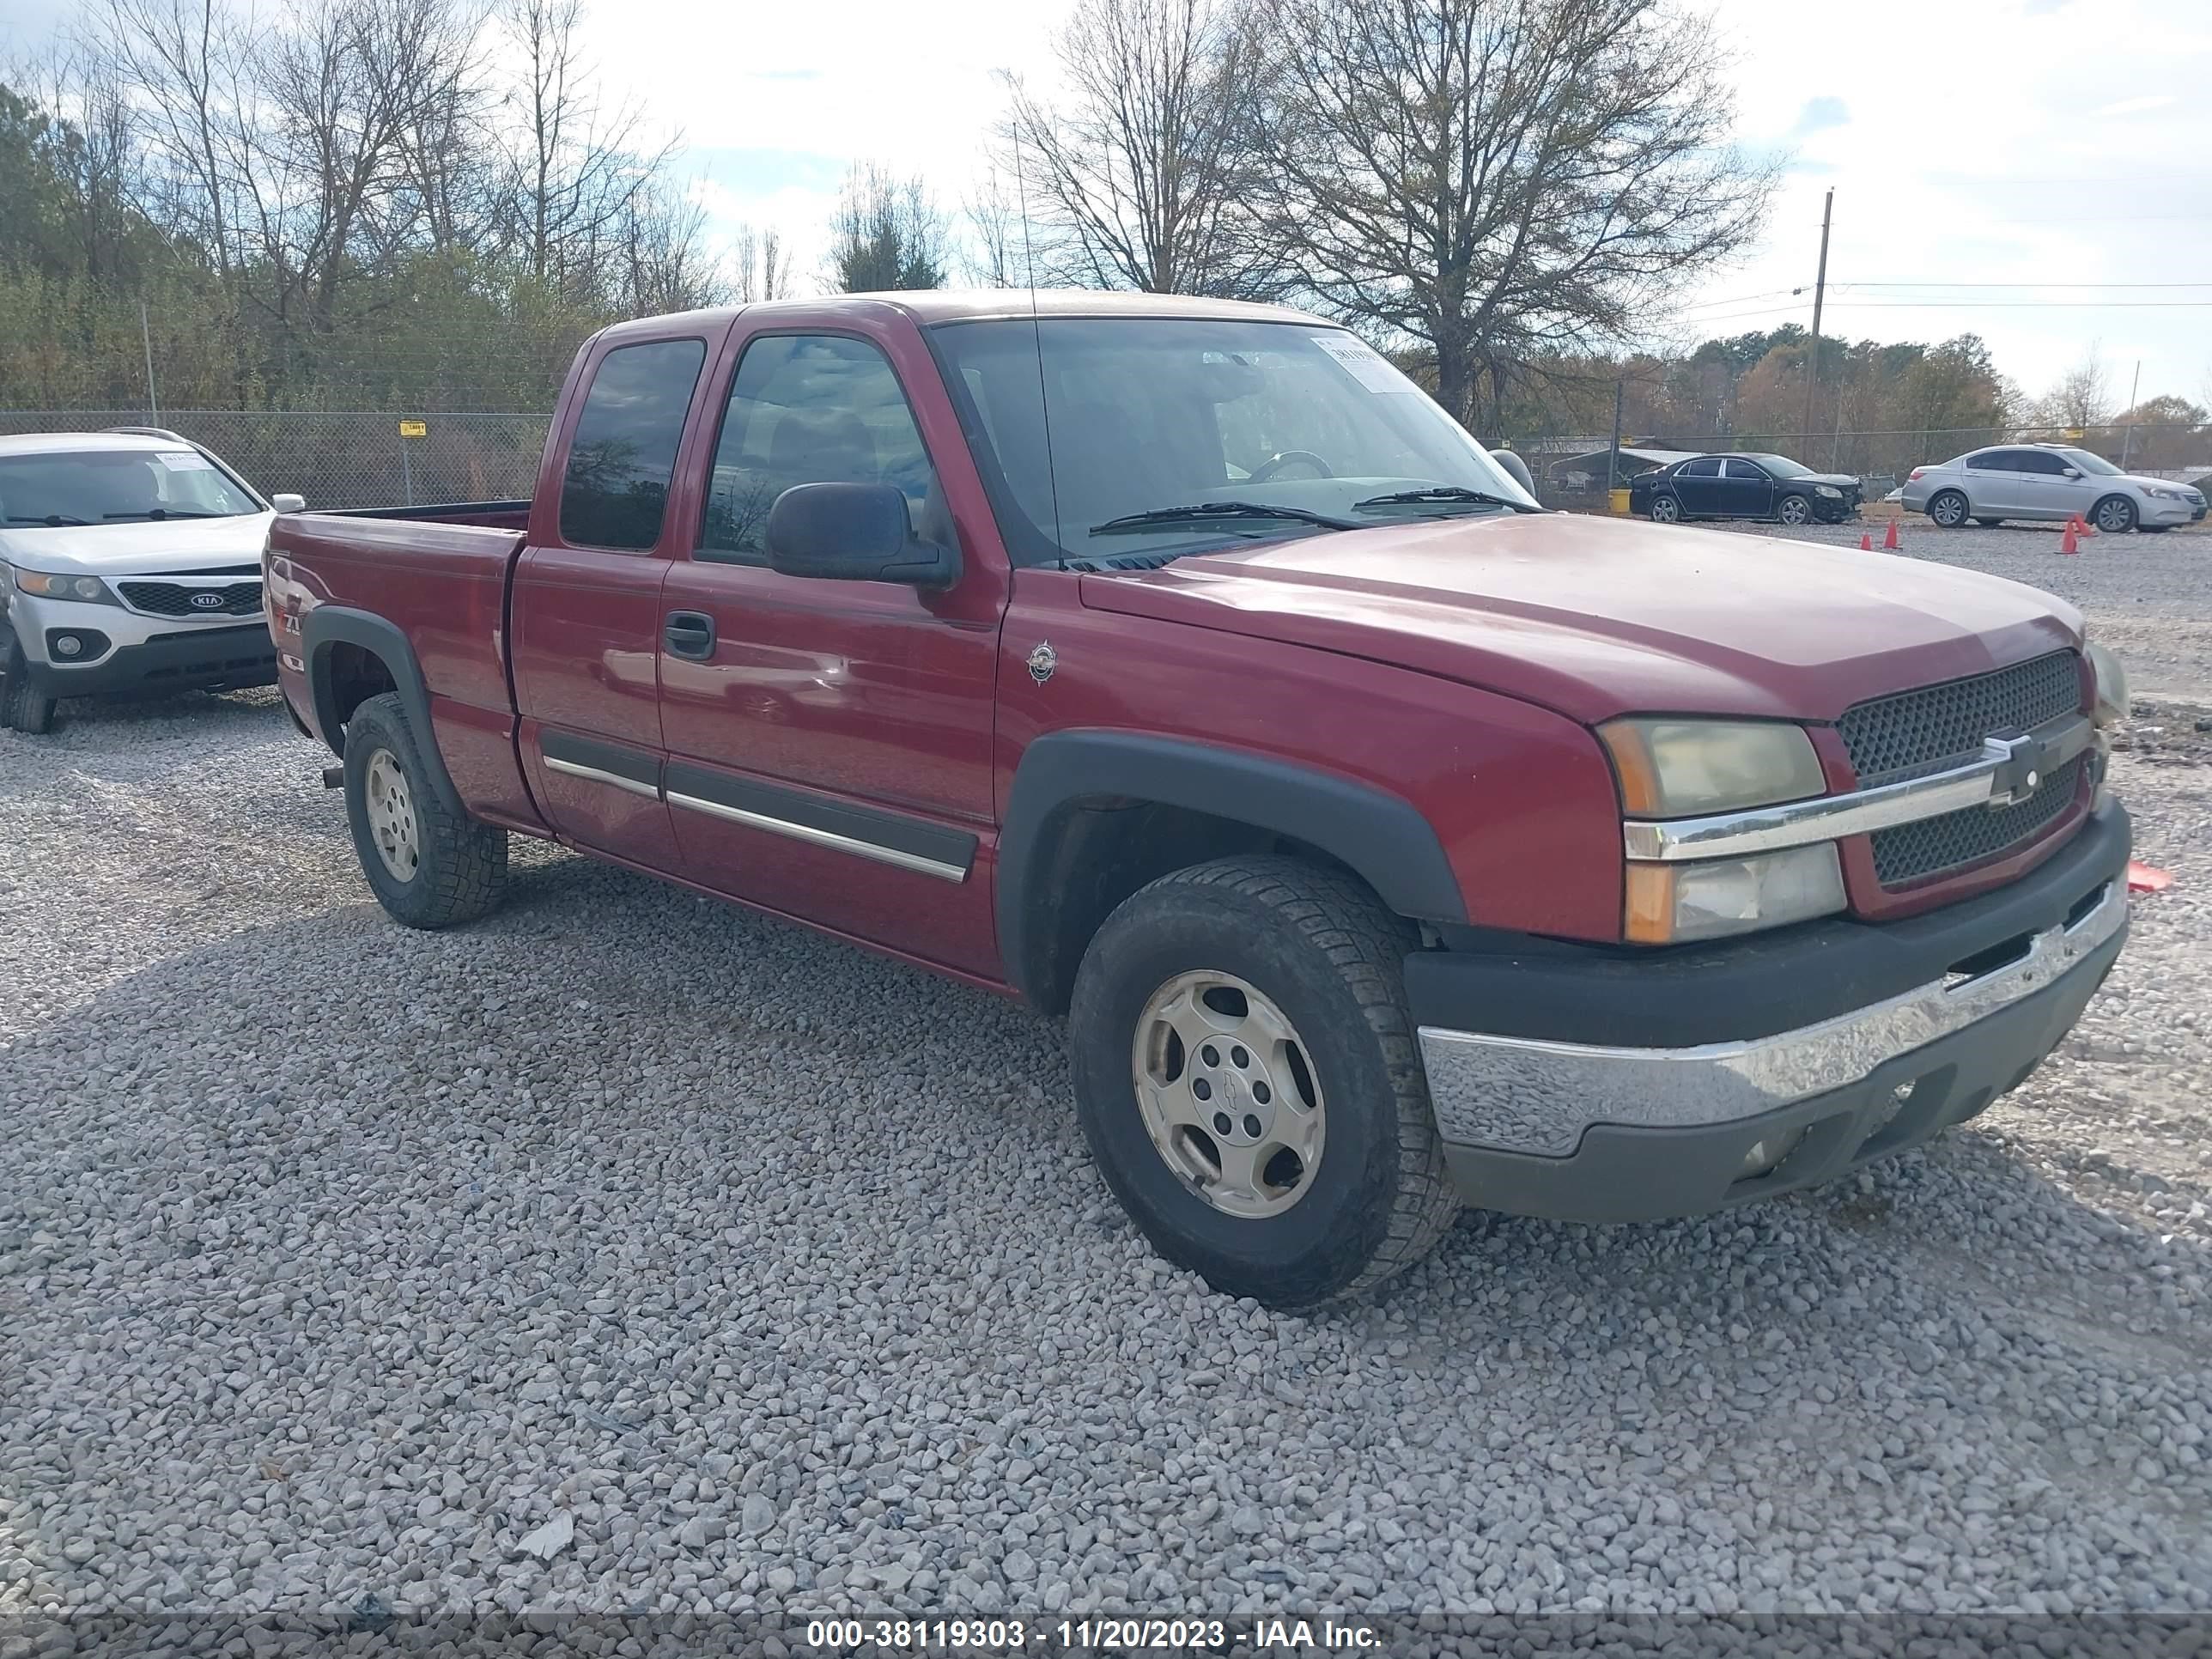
x: 2047, y: 481
x: 130, y: 562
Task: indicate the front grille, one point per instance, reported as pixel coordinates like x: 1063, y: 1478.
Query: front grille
x: 1913, y: 851
x: 1914, y: 733
x: 178, y: 599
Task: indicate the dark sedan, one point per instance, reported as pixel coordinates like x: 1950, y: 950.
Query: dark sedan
x: 1743, y: 487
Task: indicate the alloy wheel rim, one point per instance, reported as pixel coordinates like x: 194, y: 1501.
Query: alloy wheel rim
x: 1664, y: 510
x: 1228, y: 1095
x: 1793, y: 511
x: 2111, y: 516
x: 391, y: 825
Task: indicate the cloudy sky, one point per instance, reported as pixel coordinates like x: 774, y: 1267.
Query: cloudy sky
x: 2031, y: 170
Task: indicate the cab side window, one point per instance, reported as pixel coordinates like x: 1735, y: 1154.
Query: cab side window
x: 807, y: 409
x: 614, y: 492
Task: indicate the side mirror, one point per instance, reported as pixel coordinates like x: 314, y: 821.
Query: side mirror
x: 2071, y: 471
x: 1517, y: 467
x: 855, y: 532
x: 289, y: 503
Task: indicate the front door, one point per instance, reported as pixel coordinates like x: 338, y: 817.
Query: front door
x: 2046, y: 492
x: 829, y: 741
x: 1746, y: 489
x: 586, y: 619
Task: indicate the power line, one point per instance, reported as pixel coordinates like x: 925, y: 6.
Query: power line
x: 1900, y: 283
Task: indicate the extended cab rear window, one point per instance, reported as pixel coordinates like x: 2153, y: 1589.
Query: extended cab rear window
x: 614, y: 492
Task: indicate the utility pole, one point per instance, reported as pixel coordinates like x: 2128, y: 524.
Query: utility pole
x: 146, y: 338
x: 1612, y: 457
x: 2128, y: 437
x: 1819, y: 294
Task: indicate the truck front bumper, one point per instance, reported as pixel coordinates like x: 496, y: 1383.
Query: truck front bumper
x: 1731, y: 1073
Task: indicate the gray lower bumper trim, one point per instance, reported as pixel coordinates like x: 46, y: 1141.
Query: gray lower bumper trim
x: 1518, y: 1094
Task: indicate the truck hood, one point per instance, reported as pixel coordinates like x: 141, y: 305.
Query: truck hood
x: 140, y: 548
x: 1597, y: 617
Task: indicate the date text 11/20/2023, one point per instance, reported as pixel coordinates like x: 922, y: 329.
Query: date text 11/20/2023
x: 989, y: 1635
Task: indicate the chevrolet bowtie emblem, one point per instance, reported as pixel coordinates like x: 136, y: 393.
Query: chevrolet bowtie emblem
x: 2021, y: 770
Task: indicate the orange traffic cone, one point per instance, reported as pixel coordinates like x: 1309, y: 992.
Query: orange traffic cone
x: 2066, y: 541
x: 1889, y: 537
x: 2083, y: 526
x: 1866, y: 541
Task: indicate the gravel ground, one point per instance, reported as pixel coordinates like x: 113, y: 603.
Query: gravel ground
x: 2149, y: 598
x: 342, y: 1266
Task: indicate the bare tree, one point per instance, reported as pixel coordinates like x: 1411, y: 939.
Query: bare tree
x: 996, y: 253
x: 1493, y: 178
x: 2083, y: 396
x: 574, y: 164
x: 762, y: 265
x: 666, y: 265
x: 886, y: 233
x: 1143, y: 178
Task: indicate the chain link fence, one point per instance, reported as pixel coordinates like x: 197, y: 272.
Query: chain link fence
x: 342, y: 458
x: 360, y: 457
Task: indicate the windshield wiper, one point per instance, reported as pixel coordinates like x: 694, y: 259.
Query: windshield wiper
x: 160, y: 514
x: 1201, y: 511
x: 52, y: 521
x: 1441, y: 496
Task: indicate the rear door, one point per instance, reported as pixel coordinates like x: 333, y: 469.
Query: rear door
x: 1697, y: 487
x: 829, y: 741
x: 1993, y: 483
x: 587, y: 622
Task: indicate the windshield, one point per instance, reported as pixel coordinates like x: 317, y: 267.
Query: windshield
x: 2095, y: 465
x: 1781, y: 466
x: 1304, y: 424
x: 115, y: 486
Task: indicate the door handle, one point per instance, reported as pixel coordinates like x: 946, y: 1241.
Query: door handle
x: 689, y: 634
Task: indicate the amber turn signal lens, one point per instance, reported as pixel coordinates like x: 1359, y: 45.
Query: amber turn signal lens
x: 1632, y: 759
x: 1649, y: 915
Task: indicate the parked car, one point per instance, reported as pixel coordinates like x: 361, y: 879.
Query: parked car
x: 1771, y: 487
x: 1388, y: 842
x: 130, y: 563
x: 2047, y: 482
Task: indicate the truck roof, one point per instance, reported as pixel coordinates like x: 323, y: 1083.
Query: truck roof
x: 934, y: 305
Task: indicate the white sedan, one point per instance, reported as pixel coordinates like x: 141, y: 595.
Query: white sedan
x: 2053, y: 482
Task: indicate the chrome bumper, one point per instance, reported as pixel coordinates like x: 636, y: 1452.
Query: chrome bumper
x: 1522, y: 1095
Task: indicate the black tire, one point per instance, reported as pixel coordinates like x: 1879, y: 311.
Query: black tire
x: 1324, y: 949
x: 2115, y: 515
x: 1665, y: 509
x: 459, y: 865
x: 1948, y: 509
x: 1794, y: 510
x: 22, y: 705
x: 1989, y: 524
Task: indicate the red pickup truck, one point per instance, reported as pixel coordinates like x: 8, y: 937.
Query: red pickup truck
x: 1388, y: 842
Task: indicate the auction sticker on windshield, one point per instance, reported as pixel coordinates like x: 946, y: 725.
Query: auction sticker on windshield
x: 1361, y: 360
x: 184, y: 460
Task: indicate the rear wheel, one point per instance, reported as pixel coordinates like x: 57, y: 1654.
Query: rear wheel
x: 22, y: 705
x: 2115, y: 515
x: 1947, y: 508
x: 429, y: 866
x: 1248, y: 1079
x: 1665, y: 509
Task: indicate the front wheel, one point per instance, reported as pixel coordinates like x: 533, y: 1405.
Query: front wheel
x: 1794, y: 510
x: 1947, y: 508
x: 2115, y: 515
x: 1248, y: 1079
x: 429, y: 866
x: 22, y: 705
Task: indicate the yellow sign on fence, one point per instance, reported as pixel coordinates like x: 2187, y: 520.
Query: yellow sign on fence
x: 414, y: 428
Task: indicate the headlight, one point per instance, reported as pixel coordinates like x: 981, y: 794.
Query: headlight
x: 2158, y: 494
x: 1672, y: 903
x: 1682, y: 769
x: 2111, y: 685
x: 1829, y: 491
x: 86, y: 590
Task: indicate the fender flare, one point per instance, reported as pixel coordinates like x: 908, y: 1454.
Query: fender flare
x: 1381, y: 837
x: 329, y: 625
